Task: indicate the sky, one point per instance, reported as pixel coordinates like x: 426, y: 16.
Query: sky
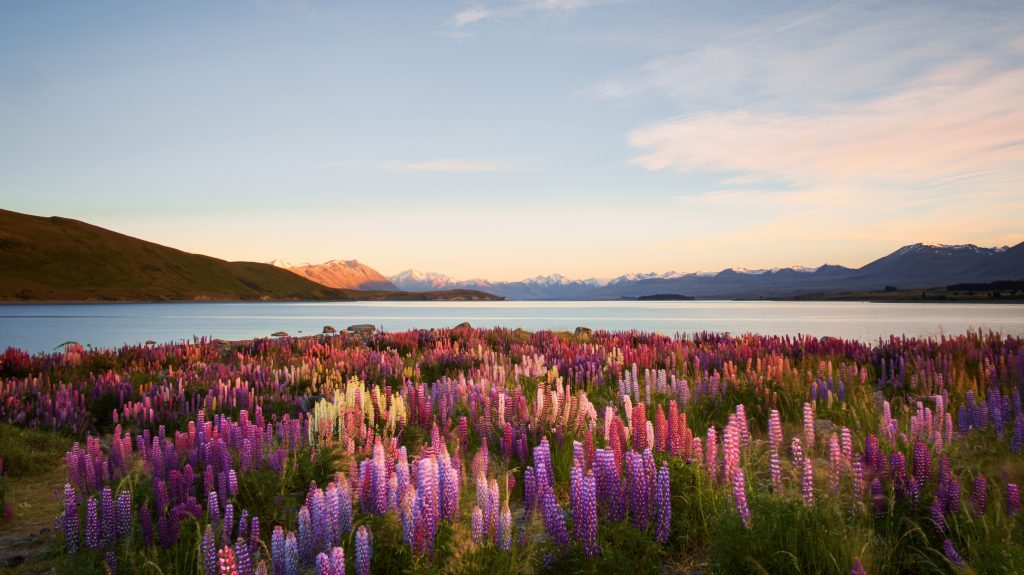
x: 511, y: 138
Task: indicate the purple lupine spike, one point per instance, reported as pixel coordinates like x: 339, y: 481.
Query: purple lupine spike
x: 242, y: 557
x: 663, y: 504
x: 323, y: 564
x: 857, y: 568
x: 951, y: 553
x: 1012, y: 499
x: 338, y: 561
x: 254, y: 535
x: 980, y: 495
x: 477, y: 524
x: 291, y: 555
x: 70, y: 522
x: 877, y: 497
x: 110, y: 562
x: 277, y: 551
x: 209, y: 551
x: 807, y: 484
x: 92, y: 524
x: 554, y: 521
x: 344, y: 505
x: 364, y: 550
x: 213, y: 508
x: 107, y: 517
x: 505, y: 527
x: 124, y: 514
x: 589, y: 503
x: 306, y: 536
x: 938, y: 515
x: 146, y: 525
x: 739, y: 491
x: 226, y: 530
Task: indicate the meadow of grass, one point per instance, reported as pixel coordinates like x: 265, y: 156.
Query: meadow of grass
x: 499, y: 451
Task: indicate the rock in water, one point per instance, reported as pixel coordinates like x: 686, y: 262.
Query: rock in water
x: 362, y: 329
x: 279, y: 334
x: 329, y: 329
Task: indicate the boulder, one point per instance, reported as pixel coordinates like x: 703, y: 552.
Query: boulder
x: 464, y: 324
x: 362, y: 329
x: 329, y: 329
x: 583, y: 331
x: 279, y: 334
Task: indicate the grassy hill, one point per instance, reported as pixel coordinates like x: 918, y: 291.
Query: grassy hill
x: 60, y: 259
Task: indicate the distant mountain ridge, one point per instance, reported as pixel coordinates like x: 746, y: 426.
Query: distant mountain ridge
x: 343, y: 274
x: 914, y: 266
x: 61, y: 259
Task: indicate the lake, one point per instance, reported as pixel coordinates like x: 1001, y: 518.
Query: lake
x: 41, y: 327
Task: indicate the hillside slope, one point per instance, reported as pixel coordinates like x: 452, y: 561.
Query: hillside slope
x: 60, y: 259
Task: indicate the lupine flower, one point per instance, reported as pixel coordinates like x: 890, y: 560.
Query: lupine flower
x: 739, y: 491
x: 951, y: 553
x: 857, y: 568
x: 277, y: 551
x: 809, y: 426
x: 663, y: 504
x: 323, y: 564
x: 291, y: 555
x: 877, y: 497
x: 305, y: 537
x: 70, y: 523
x: 1012, y: 499
x: 209, y: 551
x: 807, y: 484
x: 554, y: 521
x: 338, y: 561
x: 505, y: 527
x: 92, y: 524
x: 243, y: 557
x: 364, y: 550
x: 980, y: 494
x: 938, y: 515
x: 226, y: 561
x: 124, y: 514
x: 477, y: 524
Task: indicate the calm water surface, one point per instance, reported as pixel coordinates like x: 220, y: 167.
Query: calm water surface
x: 42, y: 327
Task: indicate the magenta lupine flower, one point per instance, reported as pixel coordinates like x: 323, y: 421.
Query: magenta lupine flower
x: 364, y: 550
x: 1012, y: 499
x: 277, y: 550
x: 711, y: 454
x: 835, y: 463
x: 774, y: 430
x: 477, y: 524
x: 70, y: 523
x: 663, y: 504
x: 807, y: 483
x: 739, y: 491
x: 775, y: 471
x: 554, y: 521
x: 338, y: 561
x: 242, y: 557
x: 209, y: 550
x: 92, y: 524
x: 857, y: 568
x: 291, y: 555
x: 980, y: 494
x: 858, y: 479
x: 809, y: 426
x: 951, y: 553
x: 797, y: 451
x: 227, y: 565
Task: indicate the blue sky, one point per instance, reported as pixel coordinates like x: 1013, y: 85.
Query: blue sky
x: 523, y: 137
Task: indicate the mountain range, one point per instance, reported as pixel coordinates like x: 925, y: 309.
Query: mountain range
x: 343, y: 274
x: 913, y: 266
x: 61, y: 259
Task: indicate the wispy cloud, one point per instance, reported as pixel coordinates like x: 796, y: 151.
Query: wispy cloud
x: 516, y: 8
x: 444, y: 165
x: 964, y: 119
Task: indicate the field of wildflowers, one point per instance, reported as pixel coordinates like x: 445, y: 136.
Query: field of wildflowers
x: 501, y: 451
